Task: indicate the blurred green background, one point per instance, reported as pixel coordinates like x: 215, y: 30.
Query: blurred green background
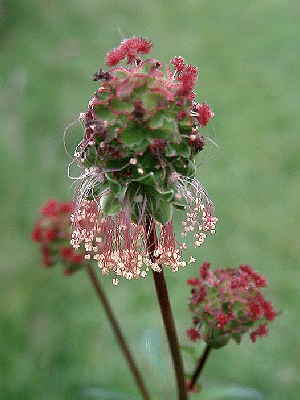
x: 54, y: 336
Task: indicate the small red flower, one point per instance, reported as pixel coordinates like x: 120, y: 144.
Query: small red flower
x: 260, y: 281
x: 223, y: 319
x: 114, y: 57
x: 182, y: 114
x: 145, y: 46
x: 66, y: 252
x: 179, y: 64
x: 51, y: 208
x: 268, y: 309
x: 50, y: 235
x: 193, y: 334
x: 52, y: 231
x: 188, y: 79
x: 203, y: 113
x: 47, y: 260
x: 66, y: 207
x: 129, y: 49
x: 193, y: 281
x: 255, y: 311
x: 260, y: 331
x: 36, y: 234
x: 204, y: 270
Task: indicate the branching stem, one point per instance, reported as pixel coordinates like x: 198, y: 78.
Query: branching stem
x: 200, y: 366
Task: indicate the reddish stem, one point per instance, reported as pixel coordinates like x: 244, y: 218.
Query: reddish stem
x: 117, y: 331
x: 165, y: 308
x: 200, y: 366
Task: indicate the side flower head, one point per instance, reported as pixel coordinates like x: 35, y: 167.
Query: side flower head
x: 142, y: 133
x: 227, y: 303
x: 52, y: 231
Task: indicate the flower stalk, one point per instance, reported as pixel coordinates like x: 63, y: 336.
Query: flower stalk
x: 122, y: 342
x: 200, y: 365
x: 165, y: 308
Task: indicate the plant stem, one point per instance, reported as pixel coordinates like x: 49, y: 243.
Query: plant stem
x: 200, y: 366
x: 117, y: 331
x: 165, y: 308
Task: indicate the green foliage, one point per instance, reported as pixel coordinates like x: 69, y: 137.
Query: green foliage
x: 231, y: 393
x: 107, y: 394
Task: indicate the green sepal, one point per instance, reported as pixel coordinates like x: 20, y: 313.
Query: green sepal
x: 120, y: 73
x: 148, y: 180
x: 154, y: 201
x: 103, y: 113
x: 185, y: 122
x: 117, y: 164
x: 160, y: 134
x: 181, y: 149
x: 163, y: 213
x: 163, y: 68
x: 101, y: 188
x: 152, y: 101
x: 114, y: 185
x: 140, y: 147
x: 119, y: 107
x: 238, y: 307
x: 146, y: 66
x: 133, y: 134
x: 110, y: 132
x: 215, y: 338
x: 109, y: 204
x: 122, y: 193
x: 166, y: 196
x: 183, y: 167
x: 180, y: 207
x: 139, y: 91
x: 91, y: 157
x: 102, y: 95
x: 160, y: 120
x: 237, y: 337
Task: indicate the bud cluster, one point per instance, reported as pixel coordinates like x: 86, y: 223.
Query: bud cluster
x: 226, y: 303
x: 52, y: 231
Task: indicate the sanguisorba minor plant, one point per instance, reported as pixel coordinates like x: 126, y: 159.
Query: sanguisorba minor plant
x: 143, y: 131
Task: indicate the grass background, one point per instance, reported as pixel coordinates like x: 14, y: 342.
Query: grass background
x: 54, y: 336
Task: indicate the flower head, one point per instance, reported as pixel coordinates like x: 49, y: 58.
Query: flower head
x: 226, y: 303
x: 137, y: 158
x: 52, y: 231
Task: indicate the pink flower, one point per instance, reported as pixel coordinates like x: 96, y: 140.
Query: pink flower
x: 52, y: 232
x: 129, y: 49
x: 203, y: 113
x: 179, y: 64
x: 260, y: 331
x: 188, y: 79
x: 193, y: 281
x: 204, y: 270
x: 226, y: 303
x: 114, y: 57
x: 193, y: 334
x: 51, y: 208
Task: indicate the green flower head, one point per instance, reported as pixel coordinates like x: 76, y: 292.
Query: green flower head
x: 137, y: 157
